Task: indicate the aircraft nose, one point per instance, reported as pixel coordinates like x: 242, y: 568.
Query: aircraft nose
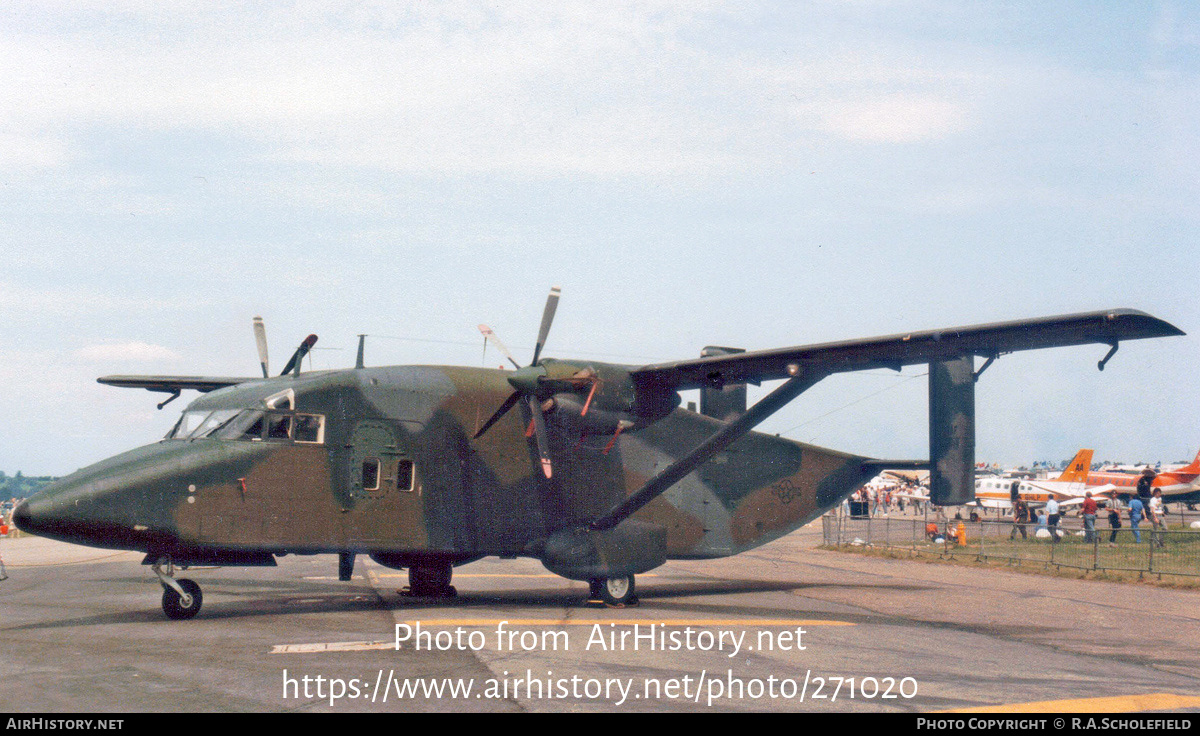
x: 21, y: 516
x: 31, y: 515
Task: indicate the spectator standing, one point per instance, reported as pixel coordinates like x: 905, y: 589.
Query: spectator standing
x: 1157, y: 519
x: 1114, y: 523
x: 1052, y: 519
x: 1088, y: 512
x: 1136, y: 511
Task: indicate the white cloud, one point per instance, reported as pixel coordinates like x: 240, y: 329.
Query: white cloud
x: 138, y: 352
x: 643, y: 88
x: 45, y: 307
x: 23, y: 153
x: 902, y: 118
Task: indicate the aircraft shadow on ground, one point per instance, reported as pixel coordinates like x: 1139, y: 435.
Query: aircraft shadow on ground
x: 292, y: 597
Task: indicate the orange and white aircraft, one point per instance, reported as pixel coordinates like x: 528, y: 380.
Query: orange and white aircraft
x: 1179, y: 485
x: 1067, y: 489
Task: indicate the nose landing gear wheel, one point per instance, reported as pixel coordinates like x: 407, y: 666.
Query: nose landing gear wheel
x: 182, y: 607
x: 614, y: 591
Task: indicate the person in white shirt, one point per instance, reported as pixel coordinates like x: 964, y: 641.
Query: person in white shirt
x: 1052, y: 518
x: 1157, y: 519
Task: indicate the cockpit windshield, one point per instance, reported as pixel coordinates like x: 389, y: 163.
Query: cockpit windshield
x: 249, y: 424
x: 201, y: 423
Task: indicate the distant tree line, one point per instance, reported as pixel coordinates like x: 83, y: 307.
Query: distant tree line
x: 21, y: 486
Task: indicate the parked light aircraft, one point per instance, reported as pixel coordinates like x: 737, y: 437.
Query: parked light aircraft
x: 1181, y: 485
x: 1068, y: 488
x: 591, y: 468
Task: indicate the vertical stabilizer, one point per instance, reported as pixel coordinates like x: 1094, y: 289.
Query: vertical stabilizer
x: 1077, y: 470
x: 952, y: 431
x: 1194, y: 467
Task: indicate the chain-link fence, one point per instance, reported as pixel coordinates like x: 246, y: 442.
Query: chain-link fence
x: 1144, y: 550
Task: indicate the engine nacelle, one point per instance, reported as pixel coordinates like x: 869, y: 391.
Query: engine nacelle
x: 630, y: 548
x: 568, y: 413
x: 614, y: 398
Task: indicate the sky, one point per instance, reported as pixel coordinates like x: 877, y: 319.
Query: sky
x: 750, y: 174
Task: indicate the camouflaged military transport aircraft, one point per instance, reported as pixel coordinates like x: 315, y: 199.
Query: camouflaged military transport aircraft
x: 591, y: 468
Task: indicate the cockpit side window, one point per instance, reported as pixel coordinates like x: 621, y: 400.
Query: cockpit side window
x: 247, y: 425
x: 279, y: 426
x: 309, y: 428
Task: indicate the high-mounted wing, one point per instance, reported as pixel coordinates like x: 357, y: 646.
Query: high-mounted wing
x: 949, y: 353
x: 894, y: 351
x: 172, y: 384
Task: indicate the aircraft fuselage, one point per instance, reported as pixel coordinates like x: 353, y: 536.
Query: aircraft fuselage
x: 382, y: 461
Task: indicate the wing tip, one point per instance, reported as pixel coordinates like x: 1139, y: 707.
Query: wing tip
x: 1146, y: 324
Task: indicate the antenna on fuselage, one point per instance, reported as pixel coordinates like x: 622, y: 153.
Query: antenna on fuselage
x: 361, y: 341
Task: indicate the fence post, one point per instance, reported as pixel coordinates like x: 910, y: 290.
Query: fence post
x: 1096, y: 551
x: 1150, y: 563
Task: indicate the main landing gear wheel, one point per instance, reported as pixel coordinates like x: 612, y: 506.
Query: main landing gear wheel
x: 180, y: 607
x: 431, y: 581
x: 614, y: 591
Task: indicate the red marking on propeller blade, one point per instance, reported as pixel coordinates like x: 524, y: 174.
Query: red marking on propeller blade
x: 588, y: 403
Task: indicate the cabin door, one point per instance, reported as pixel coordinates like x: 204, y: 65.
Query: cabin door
x: 384, y: 490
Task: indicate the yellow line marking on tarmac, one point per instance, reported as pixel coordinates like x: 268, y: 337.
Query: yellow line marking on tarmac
x: 333, y: 646
x: 1113, y: 704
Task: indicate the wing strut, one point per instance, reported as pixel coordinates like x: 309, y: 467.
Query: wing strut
x: 804, y: 379
x: 1112, y: 350
x: 174, y: 395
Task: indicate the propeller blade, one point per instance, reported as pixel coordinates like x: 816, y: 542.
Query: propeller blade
x: 547, y: 318
x: 539, y: 431
x: 299, y: 355
x: 260, y: 337
x: 489, y: 335
x: 509, y: 403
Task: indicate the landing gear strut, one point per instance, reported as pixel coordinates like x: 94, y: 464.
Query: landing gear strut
x: 614, y: 591
x: 181, y: 598
x: 431, y: 580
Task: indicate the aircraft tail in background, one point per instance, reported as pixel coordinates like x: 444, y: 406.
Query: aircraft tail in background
x: 1079, y: 467
x: 1192, y: 468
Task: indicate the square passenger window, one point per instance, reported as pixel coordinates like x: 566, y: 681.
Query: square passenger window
x: 370, y: 474
x: 404, y: 475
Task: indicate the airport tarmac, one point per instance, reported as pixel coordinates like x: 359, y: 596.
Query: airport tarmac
x: 786, y: 627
